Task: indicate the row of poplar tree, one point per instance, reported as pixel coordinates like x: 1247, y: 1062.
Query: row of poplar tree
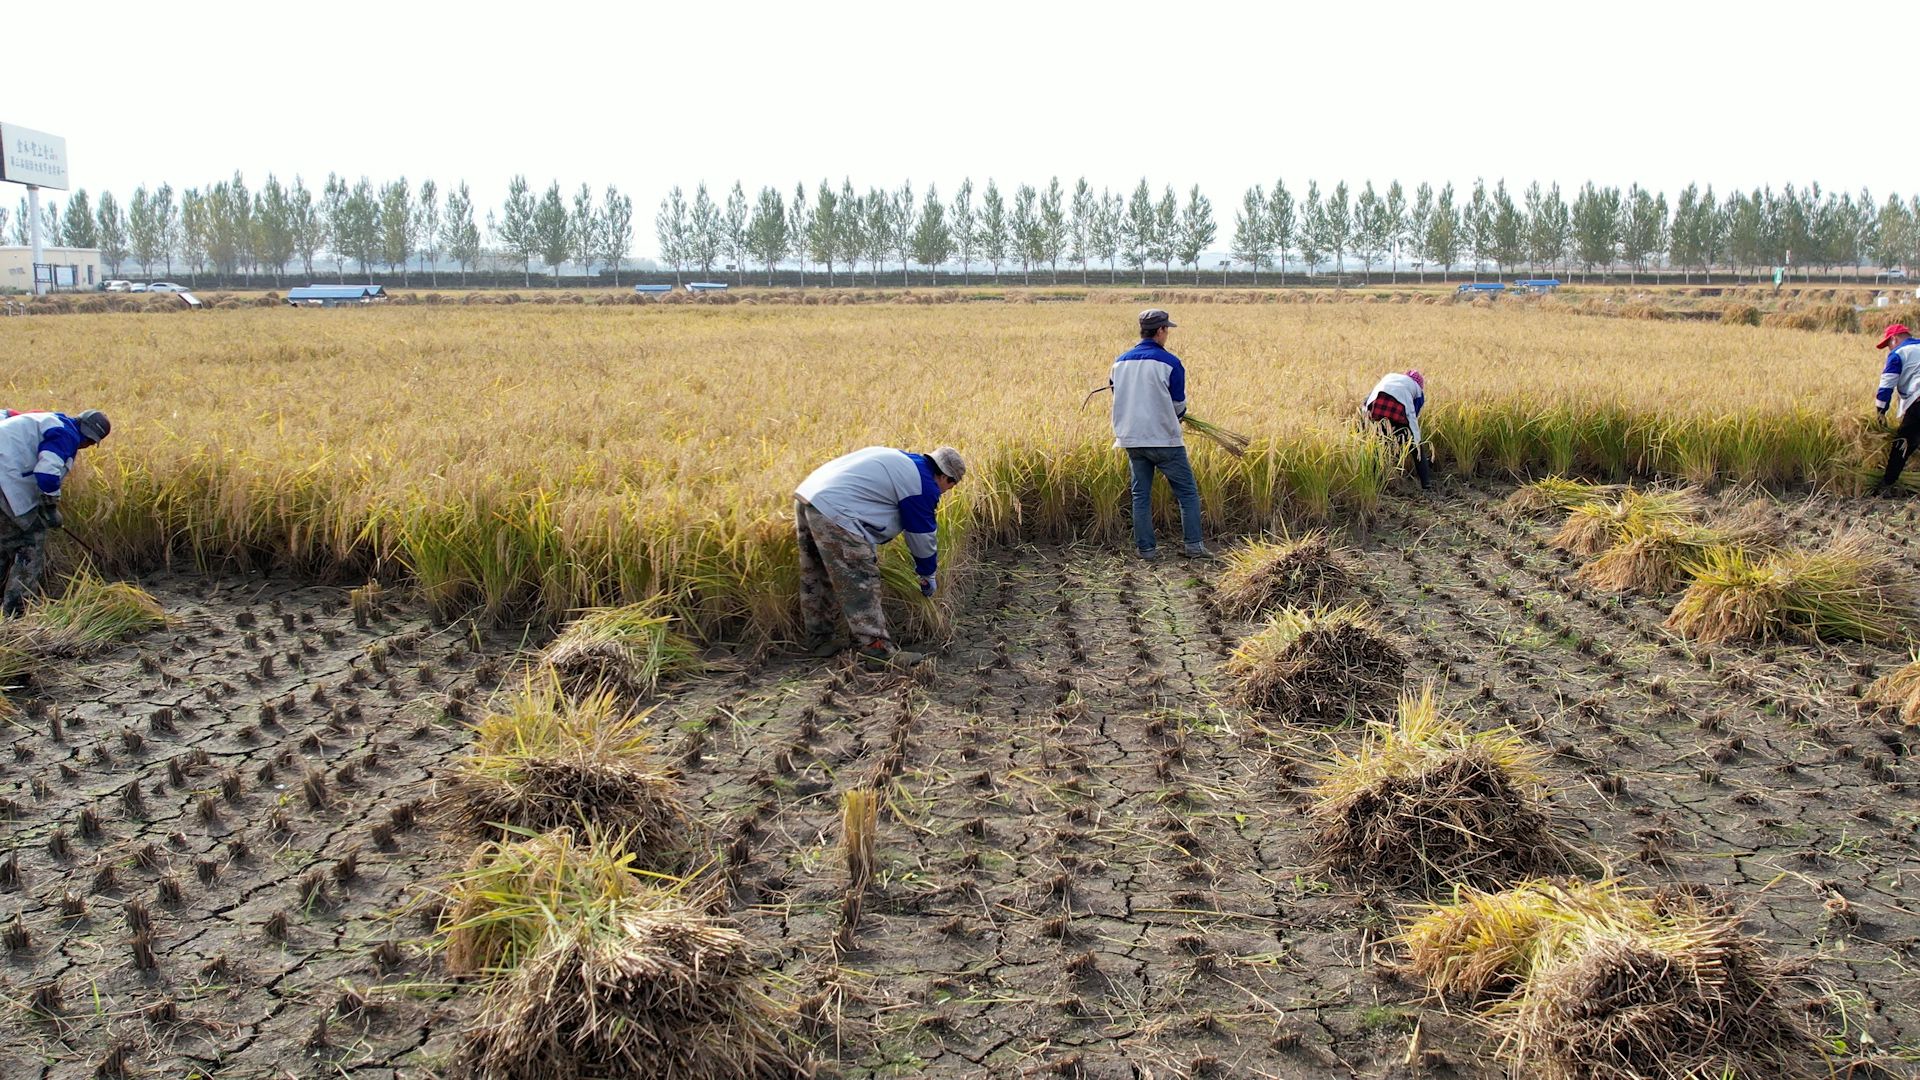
x: 1039, y: 228
x: 231, y: 230
x: 227, y: 229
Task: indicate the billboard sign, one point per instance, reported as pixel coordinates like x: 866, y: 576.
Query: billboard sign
x: 32, y: 157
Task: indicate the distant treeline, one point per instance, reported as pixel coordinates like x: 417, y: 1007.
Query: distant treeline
x: 837, y: 235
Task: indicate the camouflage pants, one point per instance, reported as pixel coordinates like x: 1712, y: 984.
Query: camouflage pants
x: 23, y: 555
x: 839, y: 574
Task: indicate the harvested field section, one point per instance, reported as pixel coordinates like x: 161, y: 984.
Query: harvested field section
x: 1088, y: 859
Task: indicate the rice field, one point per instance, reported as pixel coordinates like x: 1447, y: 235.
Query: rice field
x: 438, y: 733
x: 538, y: 459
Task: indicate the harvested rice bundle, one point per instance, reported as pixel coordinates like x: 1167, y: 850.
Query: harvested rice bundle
x: 1655, y: 557
x: 550, y: 760
x: 1899, y: 689
x: 1425, y: 801
x: 1232, y: 442
x: 1323, y: 663
x: 1847, y: 591
x: 1263, y: 575
x: 1592, y: 527
x: 1554, y: 494
x: 1596, y: 981
x: 598, y: 971
x: 91, y: 615
x: 626, y: 649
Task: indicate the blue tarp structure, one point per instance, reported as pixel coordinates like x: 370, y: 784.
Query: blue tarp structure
x: 1538, y: 284
x: 652, y: 290
x: 705, y: 286
x: 334, y: 295
x: 1482, y: 287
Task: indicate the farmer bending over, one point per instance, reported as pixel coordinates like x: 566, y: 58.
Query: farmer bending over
x: 1900, y: 377
x: 1149, y: 398
x: 1394, y: 405
x: 842, y: 512
x: 36, y: 452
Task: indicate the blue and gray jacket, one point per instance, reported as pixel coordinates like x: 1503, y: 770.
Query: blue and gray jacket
x: 1149, y: 397
x: 1902, y: 376
x: 877, y: 494
x: 36, y: 451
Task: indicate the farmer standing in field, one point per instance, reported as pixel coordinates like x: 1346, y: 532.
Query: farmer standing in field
x: 1149, y: 398
x: 842, y: 512
x: 1394, y: 404
x: 36, y: 452
x: 1900, y: 377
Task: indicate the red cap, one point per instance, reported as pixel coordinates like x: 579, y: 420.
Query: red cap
x: 1893, y: 331
x: 1419, y: 380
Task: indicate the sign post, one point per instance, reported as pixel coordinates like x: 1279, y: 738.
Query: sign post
x: 38, y: 160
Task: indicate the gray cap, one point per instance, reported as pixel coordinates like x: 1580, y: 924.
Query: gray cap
x: 1153, y: 319
x: 93, y: 425
x: 949, y: 462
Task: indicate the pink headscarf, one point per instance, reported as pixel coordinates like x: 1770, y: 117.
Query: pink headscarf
x: 1419, y: 380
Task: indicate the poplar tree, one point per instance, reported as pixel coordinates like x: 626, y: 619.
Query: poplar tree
x: 1251, y: 240
x: 1197, y: 230
x: 110, y: 232
x: 616, y: 229
x: 458, y: 232
x: 822, y: 238
x: 995, y: 236
x: 767, y: 231
x: 1053, y: 226
x: 1166, y: 232
x: 734, y: 231
x: 1137, y: 229
x: 1025, y: 224
x: 705, y: 233
x: 516, y: 232
x: 932, y: 240
x: 426, y: 228
x: 1084, y: 212
x: 1282, y: 220
x: 965, y: 226
x: 583, y: 230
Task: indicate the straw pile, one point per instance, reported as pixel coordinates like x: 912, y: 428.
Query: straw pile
x: 1264, y: 575
x: 628, y: 650
x: 550, y: 760
x: 1324, y: 663
x: 1656, y: 556
x: 1596, y: 981
x: 1425, y: 802
x: 1848, y: 591
x: 1594, y: 526
x: 597, y: 971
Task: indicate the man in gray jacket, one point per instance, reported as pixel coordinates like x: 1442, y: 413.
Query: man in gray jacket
x: 1149, y: 398
x: 842, y: 512
x: 36, y: 452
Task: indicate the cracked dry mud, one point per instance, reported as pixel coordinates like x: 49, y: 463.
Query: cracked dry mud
x: 1089, y: 862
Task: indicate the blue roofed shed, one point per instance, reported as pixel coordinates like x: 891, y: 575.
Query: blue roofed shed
x: 334, y: 295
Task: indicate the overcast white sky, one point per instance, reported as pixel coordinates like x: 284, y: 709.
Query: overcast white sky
x: 650, y: 94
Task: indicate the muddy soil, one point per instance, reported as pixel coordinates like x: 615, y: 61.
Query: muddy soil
x: 1091, y: 862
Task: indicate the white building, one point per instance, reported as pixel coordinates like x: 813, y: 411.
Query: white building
x: 72, y: 269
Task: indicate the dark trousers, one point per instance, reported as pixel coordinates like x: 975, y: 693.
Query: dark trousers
x: 1905, y: 438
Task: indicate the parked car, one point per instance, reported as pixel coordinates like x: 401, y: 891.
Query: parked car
x: 138, y: 286
x: 166, y: 286
x: 117, y: 285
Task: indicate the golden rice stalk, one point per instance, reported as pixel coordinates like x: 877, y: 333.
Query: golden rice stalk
x: 1554, y: 494
x: 549, y: 760
x: 500, y: 909
x: 1847, y: 591
x: 629, y: 650
x: 1899, y: 690
x: 1319, y: 663
x: 1425, y: 801
x: 1266, y: 574
x: 859, y: 824
x: 1594, y: 526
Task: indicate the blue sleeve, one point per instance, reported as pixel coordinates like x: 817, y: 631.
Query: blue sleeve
x: 58, y: 445
x: 1419, y: 402
x: 1889, y: 377
x: 1177, y: 386
x: 917, y: 522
